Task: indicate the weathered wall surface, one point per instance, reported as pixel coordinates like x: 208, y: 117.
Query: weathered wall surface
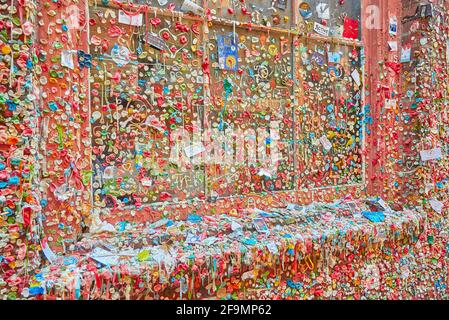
x: 19, y: 118
x: 64, y: 141
x: 382, y: 84
x: 79, y: 95
x: 87, y: 138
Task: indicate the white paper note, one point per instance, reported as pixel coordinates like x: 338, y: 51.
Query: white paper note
x: 235, y: 226
x: 326, y: 143
x: 190, y: 6
x: 432, y: 154
x: 264, y: 173
x: 194, y: 149
x: 436, y: 205
x: 321, y: 29
x: 384, y: 205
x: 356, y: 76
x: 49, y: 254
x: 104, y: 257
x: 272, y: 247
x: 67, y: 59
x: 130, y: 20
x: 391, y: 103
x: 393, y: 46
x: 322, y: 10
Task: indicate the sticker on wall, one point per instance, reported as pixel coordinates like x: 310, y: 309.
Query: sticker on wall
x: 227, y: 52
x: 393, y: 26
x: 156, y: 42
x: 351, y: 28
x: 305, y: 10
x: 281, y: 4
x: 323, y: 11
x: 334, y: 57
x: 406, y: 54
x: 393, y: 46
x: 321, y: 29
